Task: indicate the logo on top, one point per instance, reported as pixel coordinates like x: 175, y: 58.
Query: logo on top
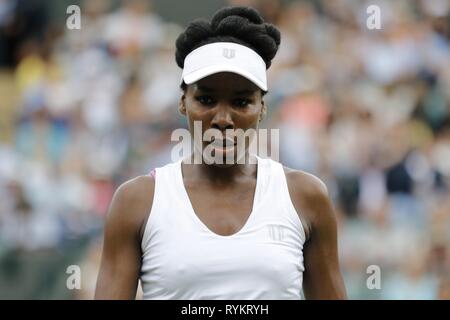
x: 229, y: 53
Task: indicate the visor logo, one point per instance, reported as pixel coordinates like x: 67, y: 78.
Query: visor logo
x: 229, y: 53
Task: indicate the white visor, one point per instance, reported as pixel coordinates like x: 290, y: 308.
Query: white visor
x: 224, y: 57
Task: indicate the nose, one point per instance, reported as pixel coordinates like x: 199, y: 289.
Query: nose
x: 222, y: 119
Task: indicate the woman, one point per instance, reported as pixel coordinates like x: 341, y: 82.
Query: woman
x: 251, y: 230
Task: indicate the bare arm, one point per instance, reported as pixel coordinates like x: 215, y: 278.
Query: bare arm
x: 322, y: 277
x: 121, y: 257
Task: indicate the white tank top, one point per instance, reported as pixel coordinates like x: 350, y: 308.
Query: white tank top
x: 183, y: 259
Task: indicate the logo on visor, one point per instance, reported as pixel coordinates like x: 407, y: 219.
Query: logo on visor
x: 229, y: 53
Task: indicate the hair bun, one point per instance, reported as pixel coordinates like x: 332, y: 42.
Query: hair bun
x: 242, y: 25
x: 196, y: 32
x: 273, y: 32
x: 243, y: 12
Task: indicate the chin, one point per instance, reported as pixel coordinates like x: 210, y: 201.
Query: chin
x: 223, y: 165
x: 219, y: 157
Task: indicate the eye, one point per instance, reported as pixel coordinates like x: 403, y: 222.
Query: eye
x: 241, y: 102
x: 205, y: 100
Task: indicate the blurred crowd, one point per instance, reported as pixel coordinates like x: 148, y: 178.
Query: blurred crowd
x: 367, y: 111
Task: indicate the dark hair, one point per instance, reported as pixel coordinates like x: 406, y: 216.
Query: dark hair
x: 242, y: 25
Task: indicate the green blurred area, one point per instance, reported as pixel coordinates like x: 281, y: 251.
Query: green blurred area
x: 181, y: 12
x: 40, y: 274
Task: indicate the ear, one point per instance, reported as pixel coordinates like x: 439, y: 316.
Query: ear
x: 263, y: 111
x: 182, y: 104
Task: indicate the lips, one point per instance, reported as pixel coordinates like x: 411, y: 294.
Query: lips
x: 223, y: 143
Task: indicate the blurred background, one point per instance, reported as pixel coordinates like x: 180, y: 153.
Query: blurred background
x: 367, y: 111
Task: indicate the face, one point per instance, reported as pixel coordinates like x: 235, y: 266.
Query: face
x: 225, y: 102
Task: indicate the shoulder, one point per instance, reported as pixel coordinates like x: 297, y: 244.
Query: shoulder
x: 310, y: 198
x: 135, y: 189
x: 306, y: 185
x: 131, y: 204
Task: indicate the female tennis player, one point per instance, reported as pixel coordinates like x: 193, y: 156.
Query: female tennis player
x: 231, y: 231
